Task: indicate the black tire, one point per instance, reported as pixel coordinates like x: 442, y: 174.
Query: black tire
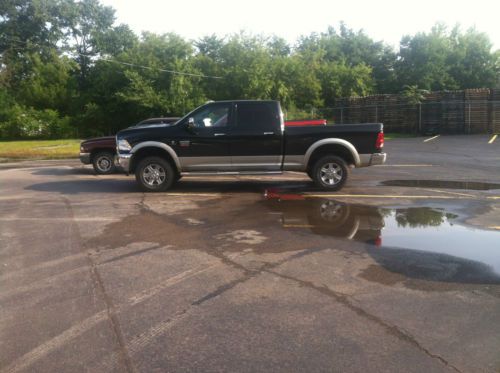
x: 104, y: 163
x: 155, y: 174
x: 330, y: 172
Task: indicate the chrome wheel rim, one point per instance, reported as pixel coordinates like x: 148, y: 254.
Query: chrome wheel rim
x: 154, y: 174
x: 331, y: 173
x: 104, y: 164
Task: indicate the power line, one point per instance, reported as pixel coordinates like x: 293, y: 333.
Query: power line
x: 155, y: 68
x: 130, y: 64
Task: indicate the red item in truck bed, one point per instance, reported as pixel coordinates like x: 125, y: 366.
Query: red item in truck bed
x: 311, y: 122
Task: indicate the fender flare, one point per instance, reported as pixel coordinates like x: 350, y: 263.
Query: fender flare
x: 333, y: 141
x: 157, y: 144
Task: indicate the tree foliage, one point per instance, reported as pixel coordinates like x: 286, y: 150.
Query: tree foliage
x: 66, y: 69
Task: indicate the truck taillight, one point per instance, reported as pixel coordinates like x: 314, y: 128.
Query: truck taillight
x: 379, y: 144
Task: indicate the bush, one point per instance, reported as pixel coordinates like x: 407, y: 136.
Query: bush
x: 18, y: 122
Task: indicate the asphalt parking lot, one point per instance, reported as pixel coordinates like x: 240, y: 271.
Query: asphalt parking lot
x: 398, y: 272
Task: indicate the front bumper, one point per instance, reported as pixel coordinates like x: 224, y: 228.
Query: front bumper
x: 378, y: 158
x: 85, y: 158
x: 124, y: 162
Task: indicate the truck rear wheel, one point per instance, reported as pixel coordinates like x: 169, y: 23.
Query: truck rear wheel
x: 330, y: 172
x: 155, y: 174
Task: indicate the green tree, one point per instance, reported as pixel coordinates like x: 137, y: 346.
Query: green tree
x: 471, y: 62
x: 49, y: 84
x: 339, y: 80
x: 352, y: 48
x: 413, y: 94
x: 88, y: 21
x: 444, y: 60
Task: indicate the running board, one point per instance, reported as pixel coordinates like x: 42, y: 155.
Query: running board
x: 231, y: 173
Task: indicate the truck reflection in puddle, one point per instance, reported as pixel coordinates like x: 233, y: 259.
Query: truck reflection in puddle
x: 419, y: 242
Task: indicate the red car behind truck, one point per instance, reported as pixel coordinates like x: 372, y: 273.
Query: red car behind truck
x: 101, y: 151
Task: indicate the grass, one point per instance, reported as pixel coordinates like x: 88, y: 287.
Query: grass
x: 39, y: 149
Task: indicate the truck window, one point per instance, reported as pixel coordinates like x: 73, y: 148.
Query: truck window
x: 256, y: 116
x: 212, y: 116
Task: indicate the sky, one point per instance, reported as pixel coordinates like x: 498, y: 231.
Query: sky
x: 385, y: 20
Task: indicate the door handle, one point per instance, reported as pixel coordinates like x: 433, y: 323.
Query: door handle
x: 219, y: 134
x: 268, y: 133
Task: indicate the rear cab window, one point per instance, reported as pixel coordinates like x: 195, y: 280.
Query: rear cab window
x: 257, y: 117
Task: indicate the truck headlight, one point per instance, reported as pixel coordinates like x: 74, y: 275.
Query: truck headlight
x: 123, y: 145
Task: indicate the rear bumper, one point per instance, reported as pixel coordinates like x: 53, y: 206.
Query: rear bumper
x: 371, y: 159
x: 85, y: 158
x: 377, y: 159
x: 124, y: 162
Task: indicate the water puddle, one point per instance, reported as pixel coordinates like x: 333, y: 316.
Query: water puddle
x: 445, y: 184
x: 420, y: 242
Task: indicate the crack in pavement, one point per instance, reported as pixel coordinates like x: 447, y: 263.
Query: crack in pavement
x: 249, y: 273
x: 344, y: 300
x: 83, y: 326
x: 134, y: 253
x: 110, y: 308
x: 339, y: 297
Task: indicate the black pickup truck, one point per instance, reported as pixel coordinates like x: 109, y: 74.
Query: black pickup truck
x: 246, y: 137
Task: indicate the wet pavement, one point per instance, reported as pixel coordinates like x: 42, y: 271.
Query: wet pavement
x: 431, y: 244
x: 399, y: 271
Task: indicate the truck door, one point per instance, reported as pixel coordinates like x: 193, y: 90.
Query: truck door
x: 256, y: 137
x: 205, y: 146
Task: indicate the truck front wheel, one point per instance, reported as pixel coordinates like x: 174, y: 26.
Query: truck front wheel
x: 155, y: 174
x: 330, y: 172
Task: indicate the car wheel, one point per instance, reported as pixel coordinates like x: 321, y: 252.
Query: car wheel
x: 103, y: 163
x: 330, y: 172
x: 155, y: 174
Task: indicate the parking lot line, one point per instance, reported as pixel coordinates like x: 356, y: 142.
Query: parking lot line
x: 431, y: 138
x: 493, y: 138
x: 406, y: 165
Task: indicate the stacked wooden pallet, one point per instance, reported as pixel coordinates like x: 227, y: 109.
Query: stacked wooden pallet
x: 431, y: 113
x: 450, y: 112
x: 391, y: 110
x: 477, y: 105
x: 494, y: 111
